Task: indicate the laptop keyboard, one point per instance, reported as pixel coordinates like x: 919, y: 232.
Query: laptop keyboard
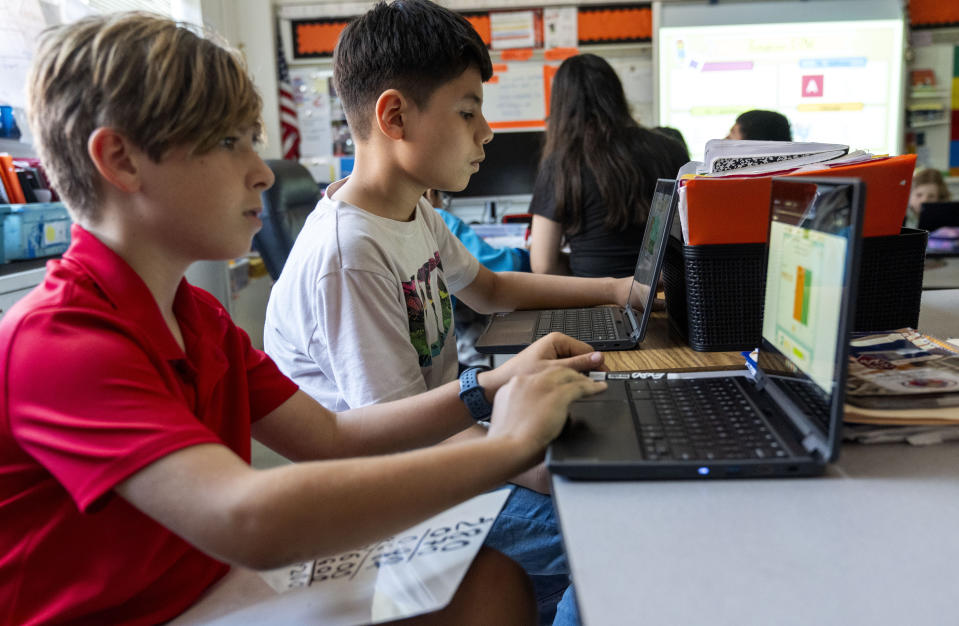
x: 705, y: 419
x: 592, y: 324
x: 810, y: 399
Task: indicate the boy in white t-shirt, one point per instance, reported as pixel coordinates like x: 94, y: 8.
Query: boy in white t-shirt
x: 361, y: 313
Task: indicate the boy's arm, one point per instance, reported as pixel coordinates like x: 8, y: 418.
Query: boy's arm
x: 302, y: 430
x: 506, y: 291
x: 269, y: 518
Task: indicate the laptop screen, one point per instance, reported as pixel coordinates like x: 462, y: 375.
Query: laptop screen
x: 807, y: 301
x: 642, y: 293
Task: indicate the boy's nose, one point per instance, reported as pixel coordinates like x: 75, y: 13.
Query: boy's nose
x: 263, y: 177
x: 486, y: 133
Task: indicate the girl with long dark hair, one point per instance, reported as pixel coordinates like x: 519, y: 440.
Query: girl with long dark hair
x: 596, y: 175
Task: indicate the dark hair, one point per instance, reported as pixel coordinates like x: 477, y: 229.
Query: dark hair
x: 587, y: 128
x: 414, y: 46
x: 764, y: 125
x: 675, y: 135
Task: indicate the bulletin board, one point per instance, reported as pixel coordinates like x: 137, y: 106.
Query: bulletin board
x: 517, y: 96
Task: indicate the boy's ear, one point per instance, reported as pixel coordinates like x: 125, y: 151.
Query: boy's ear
x: 391, y: 109
x: 115, y: 158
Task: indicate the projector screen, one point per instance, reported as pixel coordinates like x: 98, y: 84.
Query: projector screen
x: 833, y: 67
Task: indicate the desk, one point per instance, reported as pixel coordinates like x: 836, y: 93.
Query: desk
x: 872, y: 542
x: 939, y: 313
x: 664, y: 350
x: 941, y: 272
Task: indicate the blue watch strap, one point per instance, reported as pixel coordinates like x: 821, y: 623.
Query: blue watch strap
x: 473, y: 395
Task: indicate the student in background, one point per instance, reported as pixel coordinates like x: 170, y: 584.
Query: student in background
x: 674, y: 134
x: 361, y: 312
x: 596, y: 176
x: 761, y: 125
x: 927, y: 186
x: 129, y: 396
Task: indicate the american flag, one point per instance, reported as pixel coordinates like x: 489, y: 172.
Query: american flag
x: 289, y: 126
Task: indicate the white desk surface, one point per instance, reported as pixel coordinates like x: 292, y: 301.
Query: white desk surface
x: 939, y: 313
x: 875, y: 541
x: 941, y: 272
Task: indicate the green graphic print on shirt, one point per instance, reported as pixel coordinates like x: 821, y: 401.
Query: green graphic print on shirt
x: 418, y: 290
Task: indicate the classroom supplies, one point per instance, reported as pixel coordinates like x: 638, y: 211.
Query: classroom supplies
x: 902, y: 377
x: 603, y: 327
x: 730, y: 156
x: 782, y: 419
x: 8, y: 174
x: 736, y: 210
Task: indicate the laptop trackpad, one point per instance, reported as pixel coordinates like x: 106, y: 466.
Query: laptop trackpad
x: 598, y: 430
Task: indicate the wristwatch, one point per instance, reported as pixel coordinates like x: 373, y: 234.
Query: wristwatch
x: 473, y: 395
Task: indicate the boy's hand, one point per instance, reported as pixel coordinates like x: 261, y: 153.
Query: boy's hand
x: 531, y: 409
x: 553, y: 349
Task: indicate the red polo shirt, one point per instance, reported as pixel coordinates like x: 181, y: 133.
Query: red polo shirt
x: 94, y: 387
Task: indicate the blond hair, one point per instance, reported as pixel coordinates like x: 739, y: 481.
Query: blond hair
x: 155, y: 81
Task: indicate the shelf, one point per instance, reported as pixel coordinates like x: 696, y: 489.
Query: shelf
x: 928, y: 124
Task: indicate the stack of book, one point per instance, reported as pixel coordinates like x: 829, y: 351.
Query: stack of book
x: 903, y: 379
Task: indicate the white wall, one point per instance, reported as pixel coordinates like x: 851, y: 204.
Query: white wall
x: 249, y: 25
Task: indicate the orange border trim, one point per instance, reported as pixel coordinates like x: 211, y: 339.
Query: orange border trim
x: 615, y: 24
x: 316, y: 38
x: 933, y: 12
x: 518, y: 124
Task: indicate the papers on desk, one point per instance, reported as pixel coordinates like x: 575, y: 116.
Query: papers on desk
x: 902, y: 378
x: 725, y: 199
x: 414, y: 572
x: 731, y: 156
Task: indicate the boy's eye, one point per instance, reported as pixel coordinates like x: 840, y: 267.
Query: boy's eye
x: 467, y: 115
x: 229, y: 142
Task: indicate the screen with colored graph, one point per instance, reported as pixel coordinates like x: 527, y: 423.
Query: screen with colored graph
x: 834, y: 68
x: 804, y: 288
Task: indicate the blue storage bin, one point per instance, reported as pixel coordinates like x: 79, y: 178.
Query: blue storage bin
x: 34, y: 230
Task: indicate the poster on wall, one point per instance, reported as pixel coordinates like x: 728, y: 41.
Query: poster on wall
x: 312, y: 94
x: 515, y: 96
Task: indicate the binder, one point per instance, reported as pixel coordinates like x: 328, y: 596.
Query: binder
x: 736, y: 210
x: 10, y: 180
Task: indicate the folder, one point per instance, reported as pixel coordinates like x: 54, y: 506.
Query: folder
x: 10, y: 180
x: 736, y: 210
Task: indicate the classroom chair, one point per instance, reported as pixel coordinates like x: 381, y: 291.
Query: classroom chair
x: 285, y: 207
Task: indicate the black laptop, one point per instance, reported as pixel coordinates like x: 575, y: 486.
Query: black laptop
x: 603, y: 327
x: 933, y: 215
x: 782, y: 417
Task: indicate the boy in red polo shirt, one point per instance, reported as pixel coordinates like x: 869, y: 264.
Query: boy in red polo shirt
x: 129, y: 397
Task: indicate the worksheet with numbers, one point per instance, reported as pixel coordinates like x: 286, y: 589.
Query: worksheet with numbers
x: 413, y: 572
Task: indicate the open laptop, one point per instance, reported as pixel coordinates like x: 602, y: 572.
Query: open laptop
x: 933, y: 215
x: 603, y: 327
x: 782, y: 418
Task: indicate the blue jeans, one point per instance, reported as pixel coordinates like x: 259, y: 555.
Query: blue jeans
x: 527, y: 532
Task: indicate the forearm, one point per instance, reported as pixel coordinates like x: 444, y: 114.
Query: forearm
x: 518, y: 290
x: 358, y: 501
x: 414, y: 422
